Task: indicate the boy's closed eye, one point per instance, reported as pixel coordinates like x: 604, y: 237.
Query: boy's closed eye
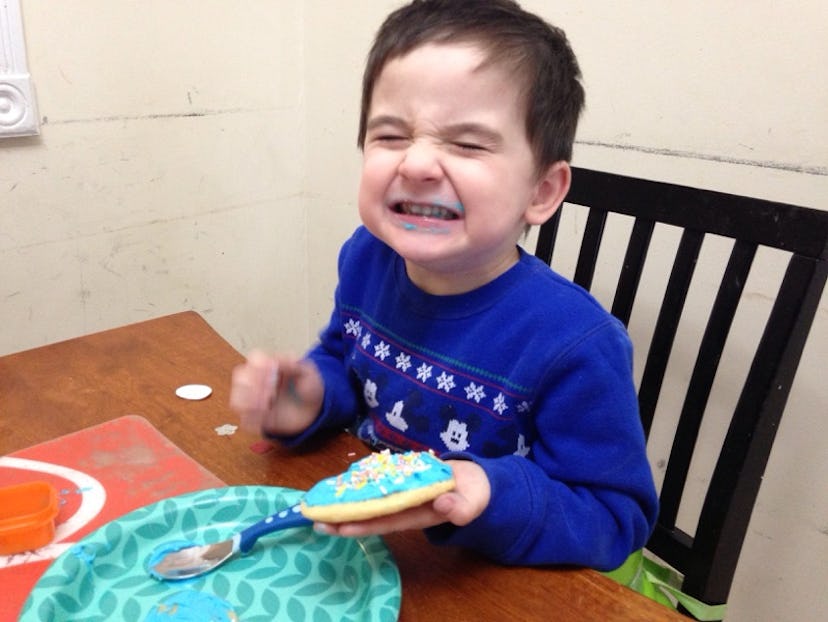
x: 387, y: 130
x: 389, y: 138
x: 466, y: 146
x: 473, y: 137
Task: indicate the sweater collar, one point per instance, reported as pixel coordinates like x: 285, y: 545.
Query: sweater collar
x: 458, y: 305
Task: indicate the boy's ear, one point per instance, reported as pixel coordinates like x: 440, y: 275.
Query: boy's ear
x: 550, y: 191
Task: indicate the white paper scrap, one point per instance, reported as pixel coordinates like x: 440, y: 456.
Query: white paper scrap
x: 193, y: 391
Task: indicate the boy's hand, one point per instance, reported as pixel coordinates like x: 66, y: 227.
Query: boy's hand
x: 459, y: 507
x: 276, y: 394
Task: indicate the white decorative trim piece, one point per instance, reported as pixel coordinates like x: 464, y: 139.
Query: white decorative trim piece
x: 18, y: 108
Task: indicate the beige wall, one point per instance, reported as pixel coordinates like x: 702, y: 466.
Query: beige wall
x: 169, y: 173
x: 201, y: 154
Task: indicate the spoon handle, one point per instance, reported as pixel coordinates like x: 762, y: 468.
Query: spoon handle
x: 283, y: 519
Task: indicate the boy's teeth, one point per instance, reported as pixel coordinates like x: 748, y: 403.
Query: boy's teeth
x: 427, y: 211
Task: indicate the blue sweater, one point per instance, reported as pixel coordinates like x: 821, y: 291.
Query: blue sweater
x: 528, y: 376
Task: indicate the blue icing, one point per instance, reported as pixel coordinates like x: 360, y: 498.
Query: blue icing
x: 192, y: 606
x: 378, y: 475
x: 87, y: 553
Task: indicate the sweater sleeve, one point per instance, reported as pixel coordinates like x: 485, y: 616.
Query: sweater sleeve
x: 585, y: 494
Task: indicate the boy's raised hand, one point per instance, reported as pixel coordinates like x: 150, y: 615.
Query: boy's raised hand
x: 277, y: 394
x: 460, y: 506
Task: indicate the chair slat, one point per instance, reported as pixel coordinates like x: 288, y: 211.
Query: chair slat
x: 547, y: 235
x: 701, y: 381
x: 661, y: 344
x: 590, y: 245
x: 747, y: 446
x: 631, y: 269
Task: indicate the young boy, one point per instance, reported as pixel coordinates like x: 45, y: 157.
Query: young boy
x: 445, y: 334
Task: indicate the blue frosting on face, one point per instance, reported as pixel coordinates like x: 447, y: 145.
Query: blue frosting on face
x: 192, y: 606
x: 378, y: 475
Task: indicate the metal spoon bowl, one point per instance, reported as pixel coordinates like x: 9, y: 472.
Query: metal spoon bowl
x: 178, y: 560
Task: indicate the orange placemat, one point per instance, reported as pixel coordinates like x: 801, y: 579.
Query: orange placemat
x: 100, y: 473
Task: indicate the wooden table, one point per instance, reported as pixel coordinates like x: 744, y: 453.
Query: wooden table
x: 61, y: 388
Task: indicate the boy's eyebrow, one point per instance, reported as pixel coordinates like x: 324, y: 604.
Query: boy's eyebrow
x: 478, y: 130
x: 454, y: 130
x: 384, y: 119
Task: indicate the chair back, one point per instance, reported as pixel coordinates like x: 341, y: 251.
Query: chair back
x: 707, y: 558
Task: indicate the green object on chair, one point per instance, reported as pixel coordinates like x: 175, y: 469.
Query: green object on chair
x: 661, y: 583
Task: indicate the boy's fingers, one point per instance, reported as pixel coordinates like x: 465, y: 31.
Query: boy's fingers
x: 454, y: 508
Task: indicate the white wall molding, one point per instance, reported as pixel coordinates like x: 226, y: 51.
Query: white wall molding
x: 18, y: 108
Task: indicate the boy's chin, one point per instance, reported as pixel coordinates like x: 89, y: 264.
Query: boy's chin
x: 423, y: 243
x: 425, y: 227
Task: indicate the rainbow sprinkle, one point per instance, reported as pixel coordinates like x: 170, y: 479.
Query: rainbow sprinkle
x: 380, y: 467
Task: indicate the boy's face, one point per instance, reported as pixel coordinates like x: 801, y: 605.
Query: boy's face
x: 448, y: 179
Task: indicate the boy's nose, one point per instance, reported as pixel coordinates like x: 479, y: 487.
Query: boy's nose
x: 420, y: 162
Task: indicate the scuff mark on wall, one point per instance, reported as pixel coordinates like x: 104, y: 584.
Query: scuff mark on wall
x: 171, y: 115
x: 820, y: 171
x: 84, y: 293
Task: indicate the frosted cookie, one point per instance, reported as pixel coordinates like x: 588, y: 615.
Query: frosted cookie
x: 381, y: 483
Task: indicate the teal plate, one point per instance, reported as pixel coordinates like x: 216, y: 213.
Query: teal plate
x: 295, y: 575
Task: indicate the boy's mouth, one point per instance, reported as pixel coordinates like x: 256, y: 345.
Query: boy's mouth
x: 423, y: 210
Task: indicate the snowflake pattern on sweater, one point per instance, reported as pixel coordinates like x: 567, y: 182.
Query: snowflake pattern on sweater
x: 398, y: 376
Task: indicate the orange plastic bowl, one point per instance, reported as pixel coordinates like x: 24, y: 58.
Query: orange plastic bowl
x: 27, y: 516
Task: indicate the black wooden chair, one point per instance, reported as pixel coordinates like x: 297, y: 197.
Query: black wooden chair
x: 707, y: 558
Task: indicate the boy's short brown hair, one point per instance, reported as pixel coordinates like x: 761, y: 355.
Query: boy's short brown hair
x: 537, y: 53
